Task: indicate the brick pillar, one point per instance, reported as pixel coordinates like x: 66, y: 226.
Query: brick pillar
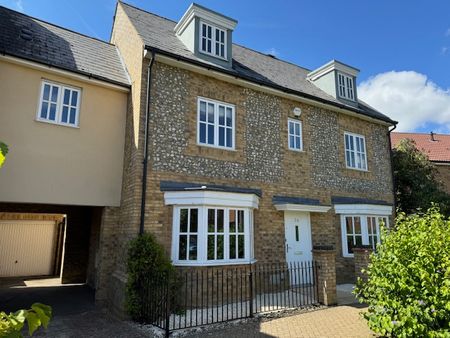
x: 362, y: 259
x: 325, y: 258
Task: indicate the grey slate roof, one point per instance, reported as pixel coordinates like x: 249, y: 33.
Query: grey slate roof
x: 355, y: 200
x: 182, y: 186
x: 32, y: 39
x: 294, y: 200
x: 158, y: 33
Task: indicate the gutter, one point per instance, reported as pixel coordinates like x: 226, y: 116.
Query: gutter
x: 392, y: 168
x: 263, y: 83
x: 146, y: 134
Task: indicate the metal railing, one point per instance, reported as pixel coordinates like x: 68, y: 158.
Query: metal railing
x: 203, y: 296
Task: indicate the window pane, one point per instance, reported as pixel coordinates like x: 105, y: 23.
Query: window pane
x: 291, y: 128
x: 44, y: 110
x: 232, y: 221
x: 241, y: 246
x: 357, y: 225
x: 46, y: 92
x: 210, y: 113
x: 193, y: 247
x: 291, y: 142
x: 352, y: 159
x: 229, y: 137
x: 194, y: 220
x: 183, y: 220
x: 220, y: 220
x: 358, y: 240
x: 203, y: 30
x: 351, y: 143
x: 65, y: 113
x: 52, y: 114
x: 240, y: 220
x: 229, y: 117
x: 211, y: 247
x: 347, y: 142
x: 202, y: 111
x: 221, y: 115
x: 297, y: 129
x: 66, y: 96
x: 350, y: 244
x: 297, y: 143
x: 182, y: 249
x: 222, y: 50
x: 220, y: 247
x: 232, y: 246
x: 54, y: 94
x: 209, y: 32
x: 211, y: 220
x: 222, y: 136
x: 209, y: 46
x: 222, y: 36
x: 73, y: 114
x: 217, y: 49
x: 210, y: 134
x: 349, y: 225
x: 74, y: 98
x: 202, y: 133
x: 203, y: 44
x: 348, y: 158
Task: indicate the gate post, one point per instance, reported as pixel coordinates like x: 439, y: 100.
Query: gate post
x: 325, y: 257
x: 362, y: 260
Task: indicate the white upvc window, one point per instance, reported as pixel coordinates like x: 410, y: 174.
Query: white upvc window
x: 360, y: 230
x: 213, y: 40
x: 208, y: 235
x: 355, y: 151
x: 216, y: 126
x: 346, y: 87
x: 59, y: 104
x: 295, y: 135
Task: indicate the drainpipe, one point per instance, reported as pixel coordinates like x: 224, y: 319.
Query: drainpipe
x: 392, y: 166
x: 145, y: 161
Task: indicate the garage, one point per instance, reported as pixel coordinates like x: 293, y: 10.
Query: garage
x: 30, y: 247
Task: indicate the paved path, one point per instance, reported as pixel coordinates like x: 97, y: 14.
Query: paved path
x: 336, y: 322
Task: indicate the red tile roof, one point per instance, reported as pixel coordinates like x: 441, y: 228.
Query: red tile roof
x: 437, y: 150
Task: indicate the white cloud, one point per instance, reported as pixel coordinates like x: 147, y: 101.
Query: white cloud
x: 444, y: 50
x: 19, y: 5
x: 273, y: 51
x: 408, y: 97
x: 447, y: 33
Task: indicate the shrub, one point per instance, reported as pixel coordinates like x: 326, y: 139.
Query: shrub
x: 149, y: 269
x: 3, y: 152
x: 11, y: 325
x: 408, y: 287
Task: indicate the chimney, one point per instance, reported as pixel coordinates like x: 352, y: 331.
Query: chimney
x: 432, y: 136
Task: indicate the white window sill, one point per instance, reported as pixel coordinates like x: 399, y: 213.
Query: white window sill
x: 57, y: 124
x: 215, y: 263
x: 297, y: 150
x: 215, y: 147
x: 213, y: 55
x: 356, y: 169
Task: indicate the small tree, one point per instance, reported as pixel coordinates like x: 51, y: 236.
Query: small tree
x: 3, y: 152
x: 408, y: 286
x: 416, y: 186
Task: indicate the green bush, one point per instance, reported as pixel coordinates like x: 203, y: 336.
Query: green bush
x: 408, y: 287
x: 149, y: 270
x: 11, y: 325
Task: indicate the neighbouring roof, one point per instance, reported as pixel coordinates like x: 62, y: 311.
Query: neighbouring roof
x: 187, y: 186
x: 438, y: 150
x: 356, y: 200
x: 158, y: 33
x: 32, y: 39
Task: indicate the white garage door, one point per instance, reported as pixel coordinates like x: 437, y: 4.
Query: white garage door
x: 27, y: 248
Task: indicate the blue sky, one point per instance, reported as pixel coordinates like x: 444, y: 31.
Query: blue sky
x: 401, y: 47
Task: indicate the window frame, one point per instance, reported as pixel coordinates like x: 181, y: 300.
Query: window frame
x: 349, y: 92
x: 213, y: 40
x: 355, y: 152
x: 216, y: 123
x: 364, y: 230
x: 59, y: 104
x: 294, y: 135
x: 202, y: 236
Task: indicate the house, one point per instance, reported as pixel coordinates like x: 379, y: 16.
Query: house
x: 436, y: 146
x: 231, y: 157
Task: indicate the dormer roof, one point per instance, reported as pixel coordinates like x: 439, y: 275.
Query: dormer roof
x: 331, y: 66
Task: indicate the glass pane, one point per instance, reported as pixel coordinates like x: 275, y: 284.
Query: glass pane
x: 65, y: 113
x: 209, y: 46
x: 222, y: 50
x: 46, y: 92
x: 296, y: 234
x: 220, y: 220
x: 203, y: 30
x: 232, y: 246
x: 217, y: 49
x: 357, y: 225
x: 66, y: 96
x: 221, y: 115
x: 210, y: 134
x: 220, y: 247
x: 352, y: 159
x: 232, y: 221
x: 194, y: 220
x: 240, y: 220
x: 202, y: 111
x: 222, y: 36
x: 55, y: 94
x: 297, y: 143
x: 358, y: 240
x: 211, y: 220
x: 209, y: 32
x: 217, y: 35
x: 229, y: 137
x: 183, y: 220
x: 350, y: 244
x: 241, y: 246
x: 44, y: 110
x: 193, y: 247
x: 347, y: 143
x: 349, y: 225
x: 351, y: 143
x: 291, y: 142
x: 210, y: 113
x: 358, y: 144
x: 291, y: 128
x: 363, y: 147
x: 229, y: 117
x: 222, y: 136
x: 182, y: 249
x: 203, y: 44
x: 202, y: 133
x: 52, y: 114
x: 73, y: 114
x: 74, y: 98
x: 211, y: 247
x: 348, y: 157
x: 297, y: 129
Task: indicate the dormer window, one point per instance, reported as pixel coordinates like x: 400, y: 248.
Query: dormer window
x: 345, y: 84
x: 212, y: 40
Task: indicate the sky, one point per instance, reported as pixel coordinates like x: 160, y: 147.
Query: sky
x: 401, y: 47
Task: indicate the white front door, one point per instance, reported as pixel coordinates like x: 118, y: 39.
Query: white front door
x: 298, y: 244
